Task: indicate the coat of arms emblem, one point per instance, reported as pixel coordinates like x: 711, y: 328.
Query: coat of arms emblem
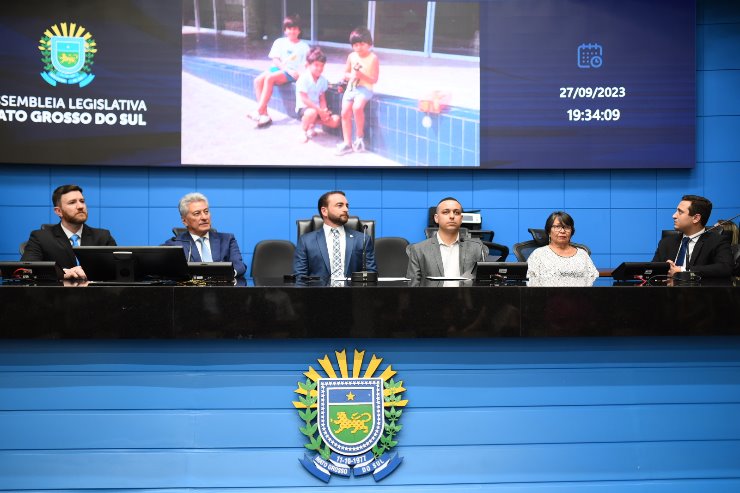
x: 67, y: 52
x: 351, y: 422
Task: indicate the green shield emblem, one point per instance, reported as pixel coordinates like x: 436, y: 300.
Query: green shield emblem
x: 67, y: 54
x: 350, y: 413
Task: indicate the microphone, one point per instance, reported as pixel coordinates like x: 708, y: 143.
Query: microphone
x: 364, y: 275
x: 722, y: 223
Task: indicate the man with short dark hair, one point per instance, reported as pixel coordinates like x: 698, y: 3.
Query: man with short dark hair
x: 706, y: 253
x: 446, y: 253
x: 55, y: 244
x: 200, y: 242
x: 334, y: 251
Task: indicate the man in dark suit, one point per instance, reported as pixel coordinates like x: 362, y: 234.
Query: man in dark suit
x: 200, y: 243
x: 445, y: 254
x: 55, y: 244
x: 316, y: 251
x: 706, y: 253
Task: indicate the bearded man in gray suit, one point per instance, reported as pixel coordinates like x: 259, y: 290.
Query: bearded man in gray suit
x: 446, y: 253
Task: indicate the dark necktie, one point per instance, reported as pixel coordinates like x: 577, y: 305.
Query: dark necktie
x: 683, y: 251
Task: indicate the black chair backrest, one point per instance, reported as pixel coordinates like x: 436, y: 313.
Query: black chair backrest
x: 524, y: 249
x: 272, y: 258
x: 390, y: 256
x: 669, y: 232
x: 496, y: 251
x: 48, y: 226
x: 538, y: 235
x: 316, y: 222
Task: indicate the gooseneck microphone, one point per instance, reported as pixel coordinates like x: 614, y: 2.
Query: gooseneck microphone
x: 364, y: 275
x: 722, y: 223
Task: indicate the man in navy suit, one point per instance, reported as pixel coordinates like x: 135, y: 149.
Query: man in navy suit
x: 706, y: 253
x: 55, y: 243
x: 199, y: 242
x: 316, y: 250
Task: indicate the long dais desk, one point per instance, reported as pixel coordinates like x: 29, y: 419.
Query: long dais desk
x: 387, y: 310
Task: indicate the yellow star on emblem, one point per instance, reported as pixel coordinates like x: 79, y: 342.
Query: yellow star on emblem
x: 350, y: 396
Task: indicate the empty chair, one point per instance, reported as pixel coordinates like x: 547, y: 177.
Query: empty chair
x: 307, y: 225
x: 390, y: 256
x: 496, y: 251
x: 272, y: 258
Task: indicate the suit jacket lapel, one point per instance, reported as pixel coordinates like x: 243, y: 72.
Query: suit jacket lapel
x: 323, y: 248
x: 193, y: 255
x: 215, y: 242
x: 64, y: 243
x: 696, y: 251
x: 437, y: 256
x: 349, y: 248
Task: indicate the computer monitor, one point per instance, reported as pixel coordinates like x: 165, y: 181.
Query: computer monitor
x: 211, y: 271
x: 629, y: 271
x: 500, y: 271
x: 31, y: 271
x: 133, y: 263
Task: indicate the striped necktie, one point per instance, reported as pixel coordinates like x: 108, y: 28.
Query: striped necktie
x: 336, y: 256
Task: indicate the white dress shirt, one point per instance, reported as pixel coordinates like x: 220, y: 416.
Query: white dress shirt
x: 330, y: 244
x: 450, y: 256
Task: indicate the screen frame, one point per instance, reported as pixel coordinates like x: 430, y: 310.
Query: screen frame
x: 133, y: 263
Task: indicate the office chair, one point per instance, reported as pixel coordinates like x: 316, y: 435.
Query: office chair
x: 390, y: 256
x: 316, y: 222
x: 496, y: 251
x: 22, y: 246
x: 272, y: 258
x: 666, y: 233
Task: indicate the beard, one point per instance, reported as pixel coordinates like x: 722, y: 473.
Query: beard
x: 339, y: 219
x: 76, y: 218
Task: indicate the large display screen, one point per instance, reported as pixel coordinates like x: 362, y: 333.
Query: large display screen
x: 511, y: 84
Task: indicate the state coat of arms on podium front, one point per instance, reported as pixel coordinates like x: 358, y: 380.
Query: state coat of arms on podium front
x: 351, y: 422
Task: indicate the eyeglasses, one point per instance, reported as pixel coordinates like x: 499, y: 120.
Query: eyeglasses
x: 566, y: 229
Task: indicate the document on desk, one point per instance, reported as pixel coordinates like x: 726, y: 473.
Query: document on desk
x: 443, y: 278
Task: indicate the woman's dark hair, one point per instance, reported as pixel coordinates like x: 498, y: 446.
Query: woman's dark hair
x: 565, y: 220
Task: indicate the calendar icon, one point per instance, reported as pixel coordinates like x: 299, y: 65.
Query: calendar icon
x: 590, y: 55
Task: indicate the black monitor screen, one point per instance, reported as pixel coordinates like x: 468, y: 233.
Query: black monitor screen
x: 133, y: 264
x: 627, y: 271
x: 31, y: 271
x: 498, y: 271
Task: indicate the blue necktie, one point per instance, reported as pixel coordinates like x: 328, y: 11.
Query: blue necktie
x: 75, y: 242
x: 205, y: 252
x: 683, y: 251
